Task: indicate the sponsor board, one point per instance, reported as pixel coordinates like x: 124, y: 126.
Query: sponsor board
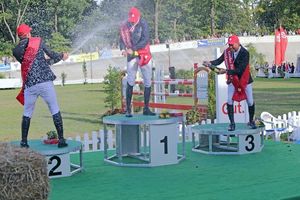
x: 211, y: 42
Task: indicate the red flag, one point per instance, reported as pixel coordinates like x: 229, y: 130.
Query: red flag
x: 283, y: 43
x: 277, y: 48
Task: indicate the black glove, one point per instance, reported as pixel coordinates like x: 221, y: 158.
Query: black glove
x: 50, y: 61
x: 206, y: 64
x: 230, y: 72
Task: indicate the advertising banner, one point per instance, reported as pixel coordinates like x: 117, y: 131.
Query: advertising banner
x: 84, y: 57
x: 211, y: 42
x: 4, y: 67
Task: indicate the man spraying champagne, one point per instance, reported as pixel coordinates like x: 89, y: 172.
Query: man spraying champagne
x: 37, y: 80
x: 134, y: 43
x: 239, y: 79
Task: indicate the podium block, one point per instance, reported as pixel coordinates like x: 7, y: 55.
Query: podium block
x: 144, y: 141
x: 58, y: 159
x: 241, y: 141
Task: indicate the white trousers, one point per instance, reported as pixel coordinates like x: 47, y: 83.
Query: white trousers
x: 46, y: 91
x: 249, y: 94
x: 146, y: 70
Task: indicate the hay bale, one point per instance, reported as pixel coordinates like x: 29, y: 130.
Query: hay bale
x: 23, y: 174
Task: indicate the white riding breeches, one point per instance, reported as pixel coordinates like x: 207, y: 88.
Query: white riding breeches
x: 47, y: 91
x: 146, y: 70
x: 249, y: 94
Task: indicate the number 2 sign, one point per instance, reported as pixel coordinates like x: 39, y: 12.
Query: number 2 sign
x: 58, y: 165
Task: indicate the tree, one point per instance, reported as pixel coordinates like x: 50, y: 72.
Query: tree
x: 39, y: 18
x: 212, y: 17
x: 95, y: 31
x: 66, y: 14
x: 175, y: 19
x: 280, y: 12
x: 84, y: 71
x: 87, y: 25
x: 5, y: 48
x: 112, y: 87
x: 151, y: 11
x: 12, y: 13
x: 255, y: 58
x: 63, y: 77
x: 184, y: 74
x: 156, y: 17
x: 211, y: 95
x: 59, y: 43
x: 45, y: 17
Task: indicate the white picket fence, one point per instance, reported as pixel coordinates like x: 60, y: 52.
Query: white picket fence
x: 287, y: 118
x: 95, y: 140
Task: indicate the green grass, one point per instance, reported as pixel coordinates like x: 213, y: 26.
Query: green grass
x: 277, y: 96
x: 272, y: 174
x: 82, y: 106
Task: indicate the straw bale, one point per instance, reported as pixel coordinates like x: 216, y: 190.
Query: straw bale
x: 23, y: 174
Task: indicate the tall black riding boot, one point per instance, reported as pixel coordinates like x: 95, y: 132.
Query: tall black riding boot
x: 147, y: 93
x: 25, y: 129
x: 60, y: 130
x: 231, y: 117
x: 129, y: 90
x: 251, y: 110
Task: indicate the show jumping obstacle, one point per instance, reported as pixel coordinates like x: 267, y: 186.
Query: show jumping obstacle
x: 162, y: 105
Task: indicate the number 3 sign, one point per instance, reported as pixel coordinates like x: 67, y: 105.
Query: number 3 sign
x: 249, y: 143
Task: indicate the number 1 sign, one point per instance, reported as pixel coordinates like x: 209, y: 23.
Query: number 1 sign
x: 163, y: 144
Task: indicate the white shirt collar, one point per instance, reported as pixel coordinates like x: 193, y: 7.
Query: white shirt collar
x: 235, y: 53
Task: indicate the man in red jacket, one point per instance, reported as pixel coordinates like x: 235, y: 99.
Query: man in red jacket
x: 134, y: 43
x: 239, y: 79
x: 37, y: 80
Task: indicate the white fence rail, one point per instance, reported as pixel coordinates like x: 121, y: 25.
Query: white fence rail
x: 95, y: 140
x: 287, y: 118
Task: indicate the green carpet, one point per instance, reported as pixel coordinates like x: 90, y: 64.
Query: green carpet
x: 272, y: 174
